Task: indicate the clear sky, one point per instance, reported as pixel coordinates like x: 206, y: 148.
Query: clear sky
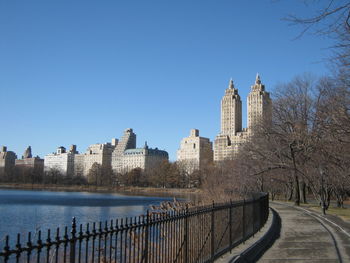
x: 80, y: 71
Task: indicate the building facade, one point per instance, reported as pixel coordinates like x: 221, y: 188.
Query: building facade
x: 126, y: 156
x: 61, y: 160
x: 194, y: 152
x: 95, y: 153
x: 28, y: 162
x: 128, y: 141
x: 144, y: 158
x: 119, y: 156
x: 259, y: 108
x: 7, y: 160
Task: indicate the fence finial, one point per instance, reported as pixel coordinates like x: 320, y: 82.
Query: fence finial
x: 74, y: 227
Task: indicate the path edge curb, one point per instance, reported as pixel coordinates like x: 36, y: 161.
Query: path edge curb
x: 255, y: 251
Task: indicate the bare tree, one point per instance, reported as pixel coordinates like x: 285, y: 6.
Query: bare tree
x: 307, y: 146
x: 331, y: 20
x: 95, y: 174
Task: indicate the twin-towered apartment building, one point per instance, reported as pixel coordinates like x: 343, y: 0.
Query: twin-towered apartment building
x: 259, y: 110
x: 194, y: 152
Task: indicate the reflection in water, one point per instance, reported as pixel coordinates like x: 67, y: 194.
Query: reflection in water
x: 23, y: 211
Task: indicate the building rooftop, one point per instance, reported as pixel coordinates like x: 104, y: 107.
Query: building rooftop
x: 137, y: 150
x: 142, y: 150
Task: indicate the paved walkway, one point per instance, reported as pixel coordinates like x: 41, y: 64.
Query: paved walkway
x: 308, y: 237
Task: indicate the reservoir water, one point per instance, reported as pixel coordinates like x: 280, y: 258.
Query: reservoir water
x: 22, y: 211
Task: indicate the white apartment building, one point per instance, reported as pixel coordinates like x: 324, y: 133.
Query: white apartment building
x: 61, y: 160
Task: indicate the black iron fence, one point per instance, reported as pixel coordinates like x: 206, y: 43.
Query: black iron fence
x: 199, y: 234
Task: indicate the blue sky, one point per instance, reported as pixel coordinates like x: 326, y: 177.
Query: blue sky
x: 80, y: 72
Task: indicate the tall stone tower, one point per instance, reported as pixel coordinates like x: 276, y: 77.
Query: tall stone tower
x: 231, y: 111
x: 231, y: 138
x: 231, y: 124
x: 259, y: 107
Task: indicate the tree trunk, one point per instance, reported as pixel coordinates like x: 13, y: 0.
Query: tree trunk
x: 296, y: 179
x: 303, y: 192
x: 296, y: 190
x: 340, y: 198
x: 272, y: 196
x: 329, y: 192
x: 262, y: 183
x: 340, y: 202
x: 290, y: 192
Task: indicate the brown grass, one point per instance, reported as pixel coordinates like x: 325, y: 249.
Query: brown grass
x: 106, y: 189
x: 343, y: 213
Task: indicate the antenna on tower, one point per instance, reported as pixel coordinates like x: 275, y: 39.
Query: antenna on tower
x: 231, y: 84
x: 257, y: 79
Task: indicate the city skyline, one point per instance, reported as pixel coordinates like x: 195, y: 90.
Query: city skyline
x: 80, y: 73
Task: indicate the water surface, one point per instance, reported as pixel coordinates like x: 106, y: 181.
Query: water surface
x: 23, y: 210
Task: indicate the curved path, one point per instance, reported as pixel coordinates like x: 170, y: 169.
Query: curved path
x: 308, y: 237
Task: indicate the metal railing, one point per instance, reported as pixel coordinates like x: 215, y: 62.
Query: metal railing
x: 199, y: 234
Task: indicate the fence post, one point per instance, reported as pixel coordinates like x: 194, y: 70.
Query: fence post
x: 243, y: 220
x: 254, y: 215
x: 145, y: 255
x: 261, y: 205
x: 267, y: 204
x: 230, y: 224
x: 186, y: 236
x: 72, y: 242
x: 212, y: 233
x: 7, y: 249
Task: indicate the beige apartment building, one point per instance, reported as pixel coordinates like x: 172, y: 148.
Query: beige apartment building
x: 28, y: 162
x: 259, y: 108
x: 126, y: 156
x: 144, y: 158
x: 194, y: 152
x: 7, y: 160
x: 95, y: 153
x: 127, y: 141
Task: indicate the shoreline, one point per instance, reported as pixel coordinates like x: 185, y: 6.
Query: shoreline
x: 127, y: 190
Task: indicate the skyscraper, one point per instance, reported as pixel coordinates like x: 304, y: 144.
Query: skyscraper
x: 231, y: 111
x: 259, y: 106
x: 228, y: 142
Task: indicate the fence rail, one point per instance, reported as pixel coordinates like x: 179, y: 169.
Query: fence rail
x: 199, y: 234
